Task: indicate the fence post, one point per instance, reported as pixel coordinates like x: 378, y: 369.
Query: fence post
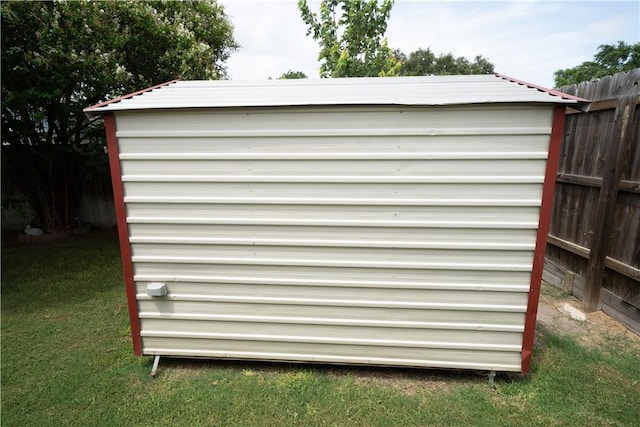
x: 569, y: 281
x: 616, y: 156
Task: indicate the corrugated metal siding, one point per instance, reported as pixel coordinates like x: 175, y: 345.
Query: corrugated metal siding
x: 389, y: 235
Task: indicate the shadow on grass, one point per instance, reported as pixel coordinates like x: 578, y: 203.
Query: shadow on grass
x: 428, y: 378
x: 38, y: 277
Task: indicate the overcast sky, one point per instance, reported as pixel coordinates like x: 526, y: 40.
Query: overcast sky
x: 525, y: 39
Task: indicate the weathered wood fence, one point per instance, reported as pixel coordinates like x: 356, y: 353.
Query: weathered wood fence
x: 94, y: 206
x: 593, y: 247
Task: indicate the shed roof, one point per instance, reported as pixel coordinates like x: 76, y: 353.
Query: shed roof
x: 423, y: 90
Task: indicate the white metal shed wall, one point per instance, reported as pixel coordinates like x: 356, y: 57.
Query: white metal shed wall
x: 377, y: 235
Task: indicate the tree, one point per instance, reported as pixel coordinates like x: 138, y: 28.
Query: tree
x: 423, y: 62
x: 609, y: 59
x: 60, y: 57
x: 351, y: 37
x: 292, y: 75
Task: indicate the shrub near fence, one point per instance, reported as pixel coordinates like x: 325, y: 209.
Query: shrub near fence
x: 594, y: 238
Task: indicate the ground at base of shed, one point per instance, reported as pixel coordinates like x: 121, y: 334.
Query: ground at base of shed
x: 597, y: 331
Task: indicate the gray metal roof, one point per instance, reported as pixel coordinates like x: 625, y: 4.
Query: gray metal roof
x: 424, y: 90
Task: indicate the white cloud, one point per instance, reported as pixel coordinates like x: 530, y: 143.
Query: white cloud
x: 272, y: 38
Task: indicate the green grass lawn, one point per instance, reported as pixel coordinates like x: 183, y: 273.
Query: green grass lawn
x: 67, y: 360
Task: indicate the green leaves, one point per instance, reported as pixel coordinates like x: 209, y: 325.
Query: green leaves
x: 292, y: 75
x: 72, y: 54
x: 351, y: 37
x: 423, y: 62
x: 60, y: 57
x: 352, y: 44
x: 609, y: 59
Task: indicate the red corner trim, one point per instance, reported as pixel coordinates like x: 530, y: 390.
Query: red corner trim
x: 543, y: 89
x: 131, y: 95
x: 123, y: 231
x: 541, y: 238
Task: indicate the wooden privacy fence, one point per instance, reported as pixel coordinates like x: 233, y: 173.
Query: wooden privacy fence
x: 593, y: 247
x: 94, y: 206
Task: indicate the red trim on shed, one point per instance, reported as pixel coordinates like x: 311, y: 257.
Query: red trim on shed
x: 557, y: 127
x: 123, y: 231
x: 130, y: 95
x: 544, y: 89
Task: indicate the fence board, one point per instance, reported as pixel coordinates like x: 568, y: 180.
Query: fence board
x: 591, y: 181
x: 622, y: 311
x: 597, y: 202
x: 615, y: 160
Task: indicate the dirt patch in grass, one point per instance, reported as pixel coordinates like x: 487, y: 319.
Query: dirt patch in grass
x: 597, y: 331
x: 410, y: 382
x: 406, y: 381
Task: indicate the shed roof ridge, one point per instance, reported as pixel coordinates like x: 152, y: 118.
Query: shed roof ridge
x: 339, y: 80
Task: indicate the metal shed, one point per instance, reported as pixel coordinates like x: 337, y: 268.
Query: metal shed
x: 380, y: 221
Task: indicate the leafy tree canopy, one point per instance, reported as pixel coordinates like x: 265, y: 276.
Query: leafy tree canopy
x: 609, y: 59
x: 352, y: 44
x: 292, y: 75
x: 60, y: 57
x: 351, y: 37
x: 423, y: 62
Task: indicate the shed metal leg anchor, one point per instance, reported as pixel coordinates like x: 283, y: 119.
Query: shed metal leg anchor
x: 154, y: 370
x: 492, y: 377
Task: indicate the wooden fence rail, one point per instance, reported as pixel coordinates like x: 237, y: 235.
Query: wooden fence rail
x: 594, y: 239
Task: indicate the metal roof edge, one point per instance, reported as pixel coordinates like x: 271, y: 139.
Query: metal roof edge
x: 554, y: 97
x: 89, y: 110
x: 581, y: 103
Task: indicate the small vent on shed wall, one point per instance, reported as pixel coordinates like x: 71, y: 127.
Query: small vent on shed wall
x: 157, y: 289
